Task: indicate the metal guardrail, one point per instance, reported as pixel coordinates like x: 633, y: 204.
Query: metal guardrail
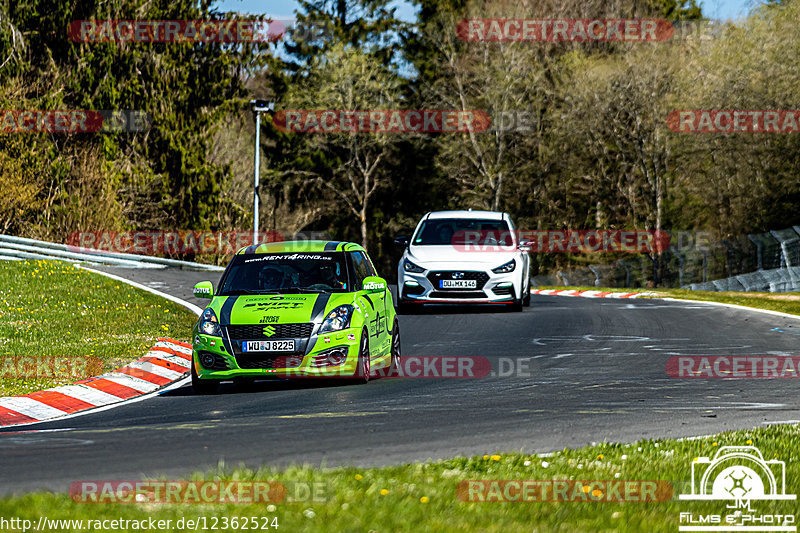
x: 761, y: 262
x: 19, y: 248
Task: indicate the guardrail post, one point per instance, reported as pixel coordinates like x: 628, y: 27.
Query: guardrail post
x: 627, y: 272
x: 759, y: 251
x: 681, y: 265
x: 596, y: 275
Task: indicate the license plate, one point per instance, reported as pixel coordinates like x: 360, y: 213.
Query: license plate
x: 458, y: 284
x: 268, y: 346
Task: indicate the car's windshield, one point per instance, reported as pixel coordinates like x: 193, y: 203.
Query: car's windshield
x: 441, y: 231
x: 285, y: 272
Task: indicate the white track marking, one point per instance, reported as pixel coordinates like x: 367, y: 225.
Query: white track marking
x: 87, y: 394
x: 130, y: 381
x: 30, y: 407
x: 155, y: 369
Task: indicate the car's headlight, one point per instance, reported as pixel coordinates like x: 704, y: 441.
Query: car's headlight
x: 209, y: 325
x: 337, y: 319
x: 408, y: 266
x: 506, y: 268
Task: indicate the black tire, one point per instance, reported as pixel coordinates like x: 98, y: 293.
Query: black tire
x: 526, y: 301
x: 363, y: 367
x: 515, y: 307
x: 203, y: 386
x: 396, y: 357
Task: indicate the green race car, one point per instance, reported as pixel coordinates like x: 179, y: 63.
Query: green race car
x: 292, y: 310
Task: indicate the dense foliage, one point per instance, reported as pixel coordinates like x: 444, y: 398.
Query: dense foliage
x: 597, y: 152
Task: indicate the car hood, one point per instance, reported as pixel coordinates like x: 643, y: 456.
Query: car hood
x: 282, y: 309
x: 451, y: 254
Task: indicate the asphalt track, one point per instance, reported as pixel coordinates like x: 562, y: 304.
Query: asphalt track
x: 597, y: 373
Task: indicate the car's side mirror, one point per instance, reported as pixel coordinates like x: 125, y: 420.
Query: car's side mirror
x: 204, y: 289
x: 374, y: 284
x: 401, y: 241
x: 525, y: 246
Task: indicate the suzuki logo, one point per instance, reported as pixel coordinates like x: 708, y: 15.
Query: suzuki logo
x: 268, y: 331
x: 458, y: 275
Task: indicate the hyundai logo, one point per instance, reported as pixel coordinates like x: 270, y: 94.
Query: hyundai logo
x: 458, y: 275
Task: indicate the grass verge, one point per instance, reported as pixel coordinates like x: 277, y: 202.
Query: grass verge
x: 423, y: 497
x: 784, y: 302
x: 411, y: 497
x: 57, y: 320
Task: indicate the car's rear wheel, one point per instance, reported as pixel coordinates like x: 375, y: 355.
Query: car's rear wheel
x: 394, y: 367
x: 203, y: 386
x: 363, y: 366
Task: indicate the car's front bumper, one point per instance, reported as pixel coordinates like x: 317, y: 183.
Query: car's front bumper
x: 491, y: 288
x: 229, y: 364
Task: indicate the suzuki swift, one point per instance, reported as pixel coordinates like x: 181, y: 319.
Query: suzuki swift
x: 294, y: 310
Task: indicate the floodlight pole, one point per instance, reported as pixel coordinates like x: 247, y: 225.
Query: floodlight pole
x: 259, y: 106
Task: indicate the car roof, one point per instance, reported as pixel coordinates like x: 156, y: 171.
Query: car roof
x: 301, y: 246
x: 486, y: 215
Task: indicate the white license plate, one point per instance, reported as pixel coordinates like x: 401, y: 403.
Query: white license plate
x: 268, y: 346
x: 458, y: 284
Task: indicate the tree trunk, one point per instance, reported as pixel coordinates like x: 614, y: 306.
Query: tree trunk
x: 364, y: 224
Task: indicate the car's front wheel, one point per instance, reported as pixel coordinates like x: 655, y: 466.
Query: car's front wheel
x: 394, y: 367
x: 203, y: 386
x: 526, y: 301
x: 363, y: 367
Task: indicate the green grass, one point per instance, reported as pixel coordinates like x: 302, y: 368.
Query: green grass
x: 422, y: 497
x: 410, y: 497
x: 54, y: 311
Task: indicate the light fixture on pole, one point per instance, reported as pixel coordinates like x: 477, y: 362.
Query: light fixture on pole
x: 259, y: 106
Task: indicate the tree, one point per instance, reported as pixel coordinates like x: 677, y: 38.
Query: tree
x: 350, y: 166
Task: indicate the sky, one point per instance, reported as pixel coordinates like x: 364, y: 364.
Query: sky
x: 283, y: 9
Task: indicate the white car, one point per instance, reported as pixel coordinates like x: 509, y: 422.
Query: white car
x: 464, y: 257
